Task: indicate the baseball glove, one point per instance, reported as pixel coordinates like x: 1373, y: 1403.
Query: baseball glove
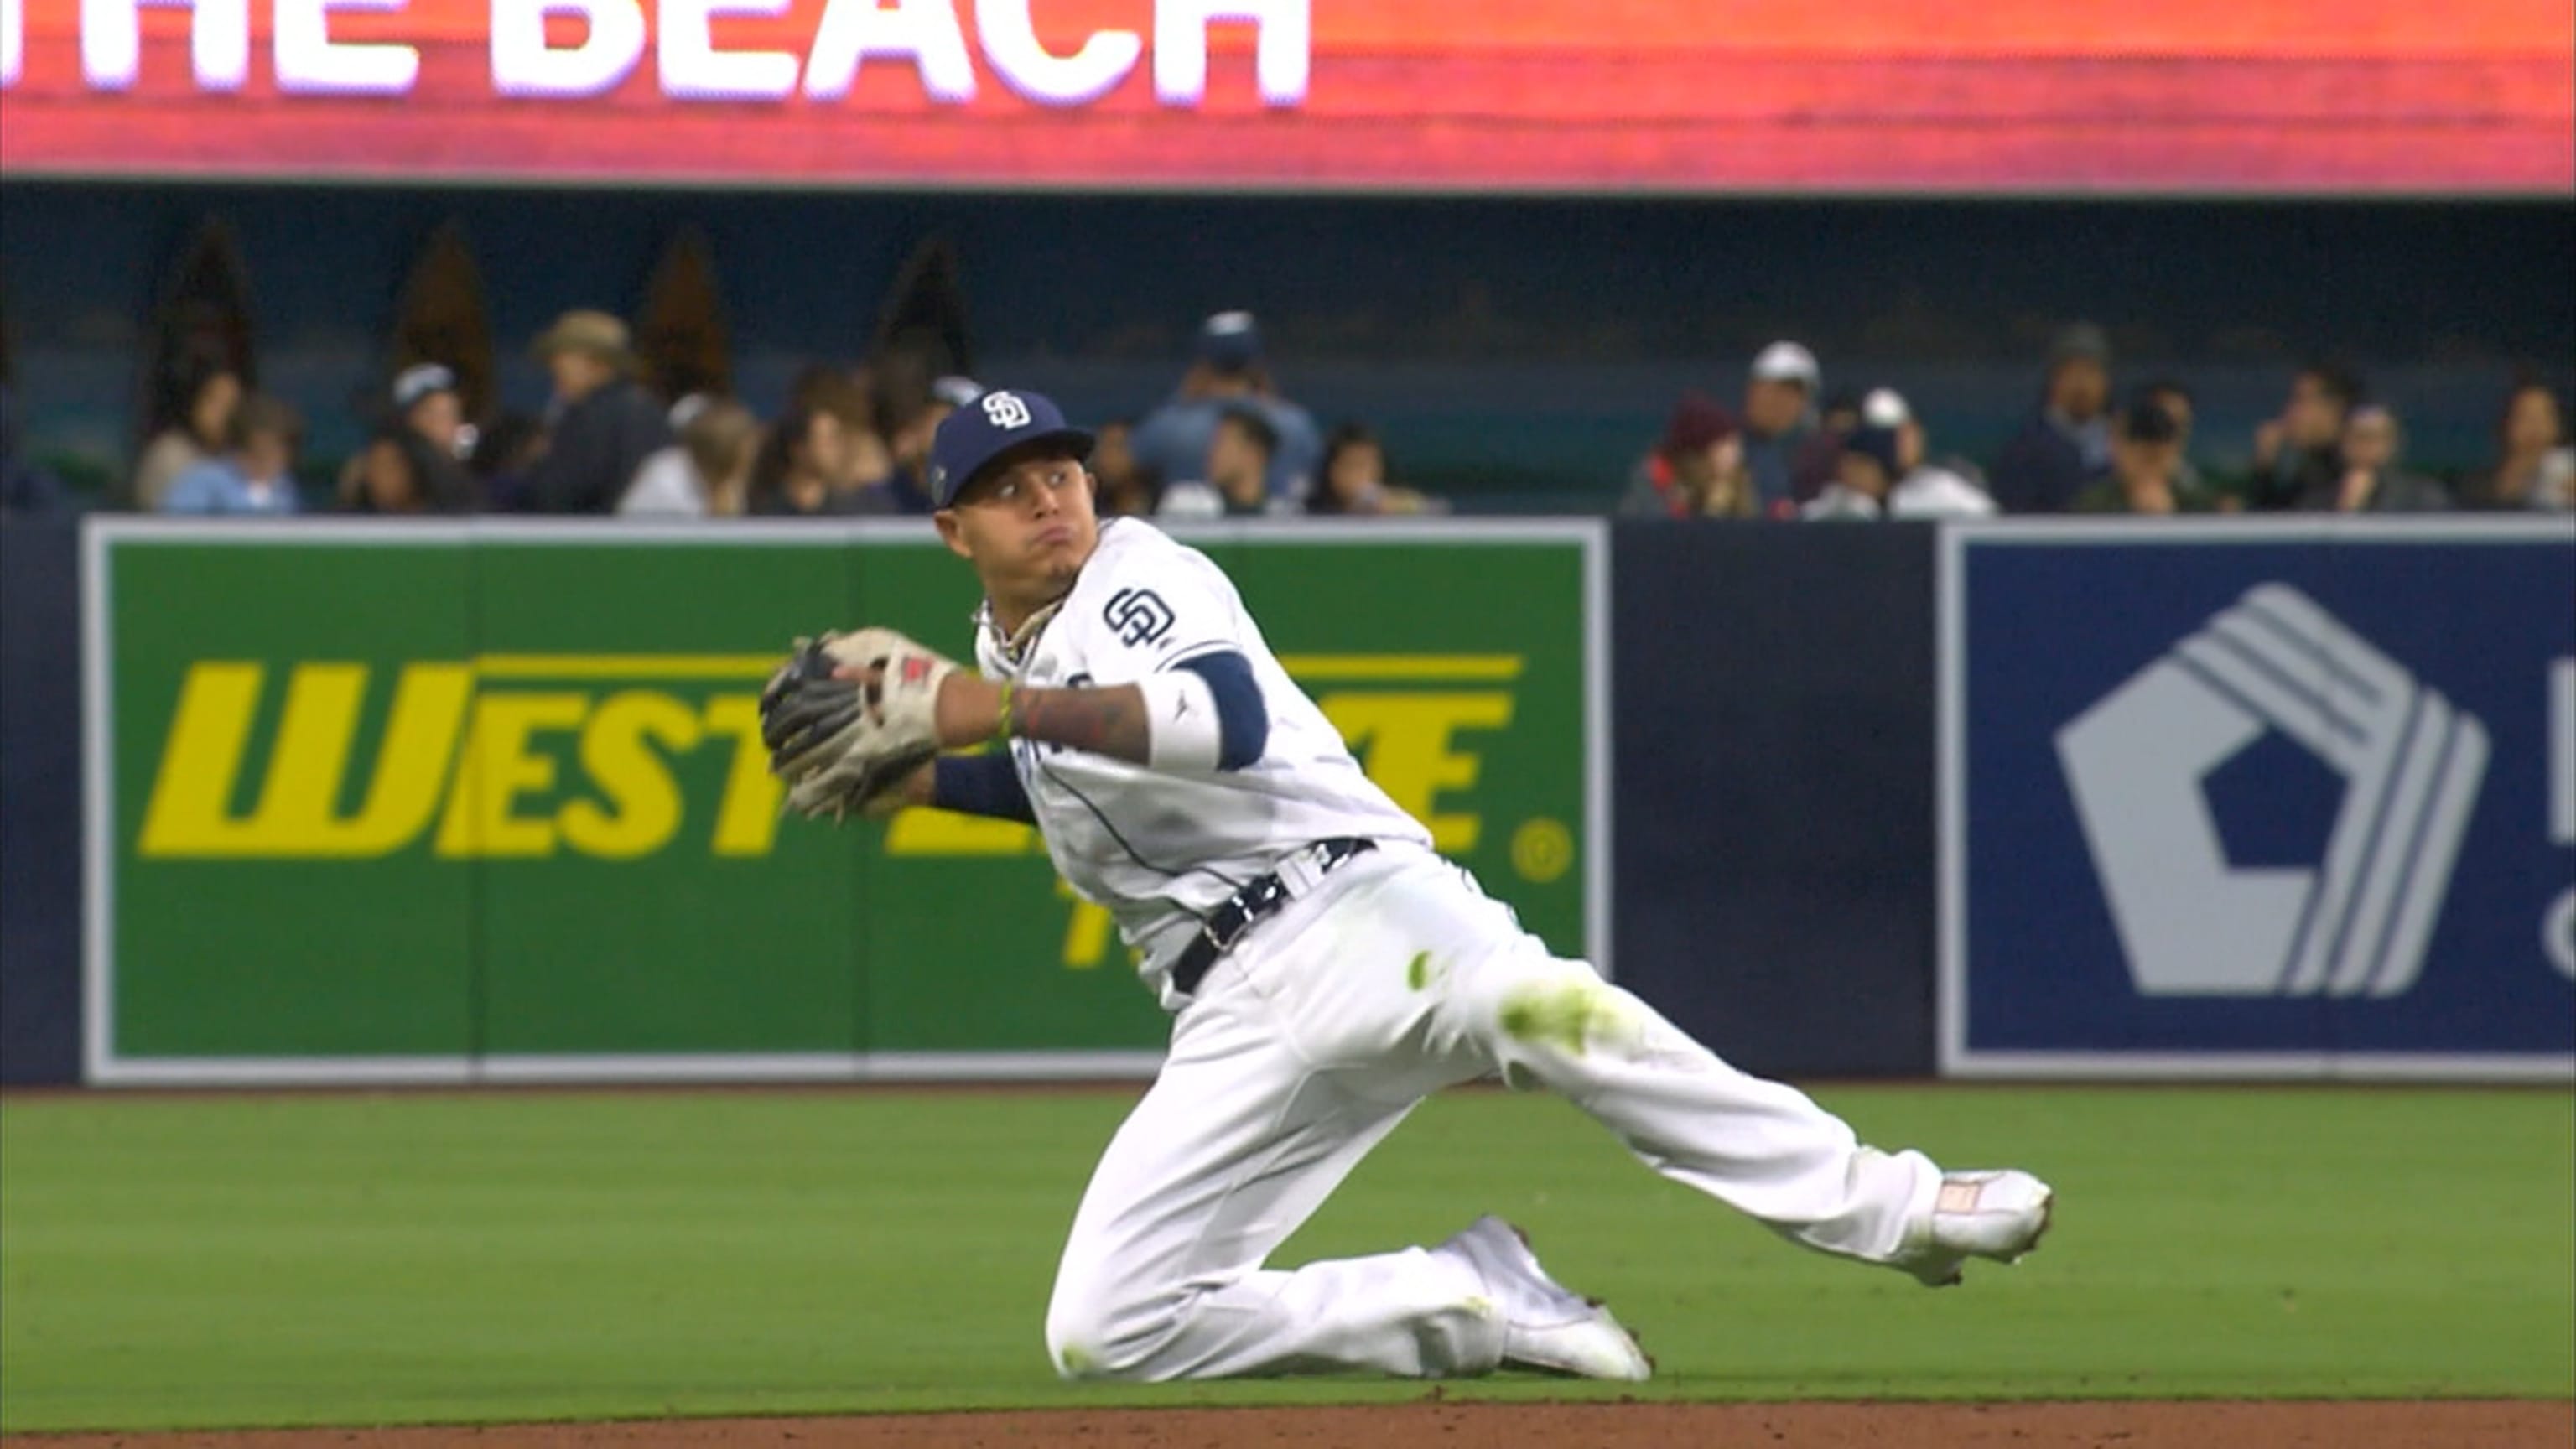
x: 848, y: 717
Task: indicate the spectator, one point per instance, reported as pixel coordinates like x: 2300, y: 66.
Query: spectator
x: 198, y: 421
x: 851, y: 395
x: 1779, y: 404
x: 604, y: 424
x: 2183, y: 408
x: 2068, y: 440
x: 793, y: 476
x: 2295, y: 454
x: 1237, y: 475
x: 1229, y: 373
x: 909, y: 410
x: 426, y: 400
x: 2535, y: 468
x: 394, y: 475
x: 256, y: 474
x: 2147, y: 468
x: 1126, y: 489
x: 1354, y: 479
x: 424, y: 405
x: 1892, y: 478
x: 1885, y: 407
x: 707, y: 474
x: 1697, y: 470
x: 24, y: 487
x: 2371, y: 481
x: 1881, y: 474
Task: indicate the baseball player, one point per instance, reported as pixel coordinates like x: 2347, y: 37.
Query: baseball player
x: 1325, y: 970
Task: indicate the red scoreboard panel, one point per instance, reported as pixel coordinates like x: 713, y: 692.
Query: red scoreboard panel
x: 2151, y: 97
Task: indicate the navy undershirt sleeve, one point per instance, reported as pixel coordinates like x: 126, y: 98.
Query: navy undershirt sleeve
x: 1243, y: 722
x: 980, y: 785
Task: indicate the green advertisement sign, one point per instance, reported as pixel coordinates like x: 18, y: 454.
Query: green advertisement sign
x: 487, y: 802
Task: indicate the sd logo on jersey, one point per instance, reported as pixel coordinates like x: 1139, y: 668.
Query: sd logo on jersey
x: 1138, y: 616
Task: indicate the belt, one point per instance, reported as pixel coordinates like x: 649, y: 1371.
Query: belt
x: 1241, y: 911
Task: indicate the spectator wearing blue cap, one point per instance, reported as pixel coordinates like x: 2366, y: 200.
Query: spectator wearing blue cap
x: 2068, y: 439
x: 1172, y: 442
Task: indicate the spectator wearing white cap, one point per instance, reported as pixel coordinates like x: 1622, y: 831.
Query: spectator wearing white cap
x: 1883, y: 471
x: 2067, y: 441
x: 1229, y: 373
x: 428, y: 406
x: 414, y: 460
x: 1779, y: 415
x: 426, y: 401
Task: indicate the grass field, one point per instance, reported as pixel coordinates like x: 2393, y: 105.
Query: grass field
x: 270, y: 1260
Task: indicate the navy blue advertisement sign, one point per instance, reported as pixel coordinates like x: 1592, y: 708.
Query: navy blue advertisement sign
x: 2259, y: 798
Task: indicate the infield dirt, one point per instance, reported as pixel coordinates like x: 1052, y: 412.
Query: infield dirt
x: 2488, y: 1424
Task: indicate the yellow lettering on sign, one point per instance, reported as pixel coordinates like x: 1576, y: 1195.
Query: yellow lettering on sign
x: 296, y: 814
x: 461, y: 746
x: 644, y: 800
x: 1086, y: 932
x: 1403, y: 740
x: 498, y: 767
x: 747, y: 817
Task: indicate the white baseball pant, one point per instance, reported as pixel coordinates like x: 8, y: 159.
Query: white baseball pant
x: 1305, y: 1046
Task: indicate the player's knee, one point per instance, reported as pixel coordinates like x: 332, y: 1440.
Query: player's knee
x: 1093, y: 1336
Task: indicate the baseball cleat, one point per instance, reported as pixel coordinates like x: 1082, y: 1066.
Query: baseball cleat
x: 1546, y: 1327
x: 1993, y: 1215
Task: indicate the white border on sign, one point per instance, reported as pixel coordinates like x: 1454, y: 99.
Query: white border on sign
x: 102, y: 1065
x: 1954, y: 1057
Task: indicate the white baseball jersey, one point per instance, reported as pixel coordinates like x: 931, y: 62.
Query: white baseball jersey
x: 1162, y: 849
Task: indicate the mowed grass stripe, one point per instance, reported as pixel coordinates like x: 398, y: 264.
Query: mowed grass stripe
x: 257, y: 1260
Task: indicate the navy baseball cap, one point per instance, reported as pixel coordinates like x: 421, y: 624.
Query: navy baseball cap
x: 1002, y: 421
x: 1230, y: 342
x: 1878, y: 444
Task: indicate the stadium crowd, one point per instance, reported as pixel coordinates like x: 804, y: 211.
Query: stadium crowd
x: 1228, y: 442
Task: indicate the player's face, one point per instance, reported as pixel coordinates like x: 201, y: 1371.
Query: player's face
x: 1028, y: 527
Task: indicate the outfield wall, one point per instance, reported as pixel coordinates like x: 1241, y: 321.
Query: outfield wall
x: 483, y: 802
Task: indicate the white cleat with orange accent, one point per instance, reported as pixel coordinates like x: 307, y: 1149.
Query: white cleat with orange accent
x: 1998, y: 1216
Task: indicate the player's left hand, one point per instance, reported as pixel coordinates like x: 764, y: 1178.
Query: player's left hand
x: 849, y: 718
